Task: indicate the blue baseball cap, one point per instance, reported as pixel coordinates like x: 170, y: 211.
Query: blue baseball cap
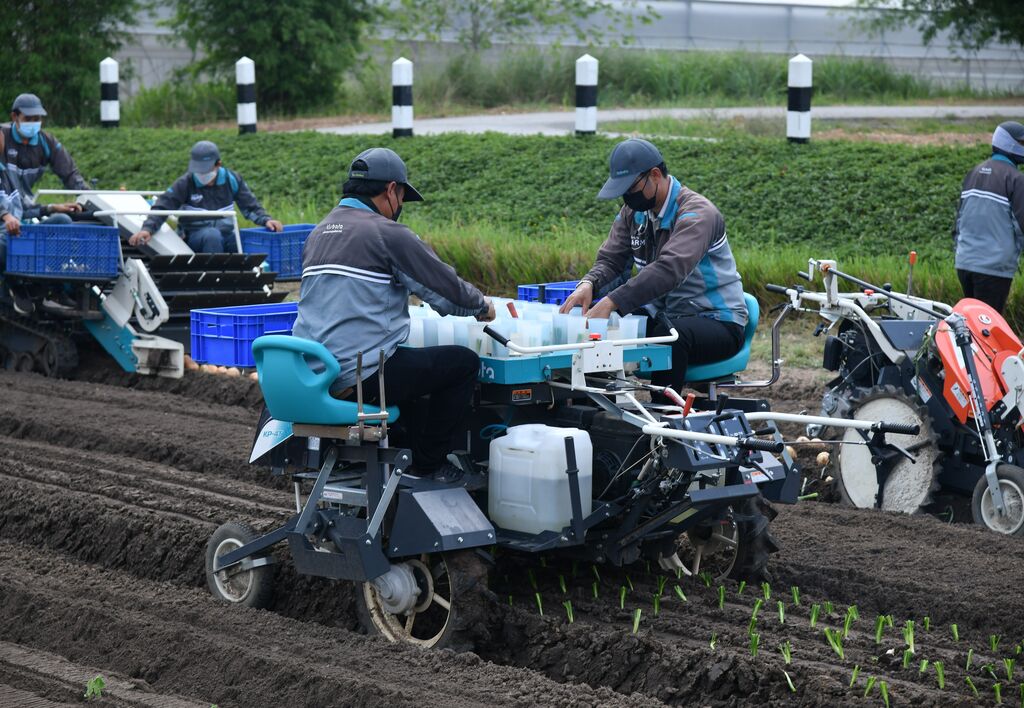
x: 28, y: 104
x: 203, y: 157
x: 629, y: 159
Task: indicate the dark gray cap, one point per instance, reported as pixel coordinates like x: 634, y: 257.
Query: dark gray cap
x: 630, y: 159
x: 203, y: 157
x: 1008, y: 139
x: 384, y: 165
x: 28, y: 104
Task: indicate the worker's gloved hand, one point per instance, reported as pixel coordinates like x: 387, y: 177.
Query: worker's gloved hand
x: 489, y: 315
x: 139, y: 238
x: 12, y: 224
x: 581, y: 297
x: 69, y: 208
x: 274, y: 225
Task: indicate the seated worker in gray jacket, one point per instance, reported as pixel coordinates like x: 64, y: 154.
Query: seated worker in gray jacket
x: 987, y: 235
x: 207, y: 186
x: 677, y: 240
x: 359, y: 266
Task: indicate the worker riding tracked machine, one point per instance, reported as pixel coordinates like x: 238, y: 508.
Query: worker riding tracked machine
x: 954, y: 372
x: 562, y: 458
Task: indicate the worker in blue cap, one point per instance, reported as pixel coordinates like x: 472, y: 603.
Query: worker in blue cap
x: 677, y: 240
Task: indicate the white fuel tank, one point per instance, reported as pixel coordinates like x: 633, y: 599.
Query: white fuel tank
x: 528, y: 489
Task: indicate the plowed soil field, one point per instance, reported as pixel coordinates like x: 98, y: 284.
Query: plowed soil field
x: 110, y: 486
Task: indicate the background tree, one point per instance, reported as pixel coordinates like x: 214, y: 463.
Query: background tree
x: 53, y: 48
x: 301, y: 47
x: 478, y: 24
x: 971, y: 23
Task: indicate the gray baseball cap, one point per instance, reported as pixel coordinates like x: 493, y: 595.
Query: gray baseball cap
x: 630, y: 159
x: 384, y: 165
x: 28, y: 104
x: 203, y: 157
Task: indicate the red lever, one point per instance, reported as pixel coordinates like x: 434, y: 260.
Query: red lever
x: 512, y: 309
x: 595, y: 337
x: 913, y: 258
x: 690, y: 398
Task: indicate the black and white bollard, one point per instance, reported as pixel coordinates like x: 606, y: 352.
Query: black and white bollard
x: 798, y: 113
x: 245, y: 78
x: 586, y: 95
x: 110, y: 106
x: 401, y: 98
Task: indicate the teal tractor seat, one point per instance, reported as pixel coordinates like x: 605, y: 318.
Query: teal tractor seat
x: 727, y: 368
x: 296, y: 393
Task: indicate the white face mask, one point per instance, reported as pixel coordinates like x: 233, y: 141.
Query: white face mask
x: 205, y: 177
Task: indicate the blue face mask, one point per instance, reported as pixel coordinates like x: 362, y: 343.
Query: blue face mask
x: 30, y: 130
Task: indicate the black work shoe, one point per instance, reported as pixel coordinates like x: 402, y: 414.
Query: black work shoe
x: 23, y: 304
x: 447, y: 473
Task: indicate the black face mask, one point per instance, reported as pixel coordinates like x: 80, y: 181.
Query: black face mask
x: 637, y: 201
x: 396, y: 215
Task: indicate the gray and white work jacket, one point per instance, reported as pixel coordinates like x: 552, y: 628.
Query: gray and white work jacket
x: 358, y: 268
x: 987, y: 235
x: 685, y: 264
x: 24, y: 164
x: 188, y: 194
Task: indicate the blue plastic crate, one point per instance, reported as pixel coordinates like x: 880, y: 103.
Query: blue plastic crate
x: 224, y: 335
x: 65, y: 251
x: 554, y: 293
x: 284, y: 249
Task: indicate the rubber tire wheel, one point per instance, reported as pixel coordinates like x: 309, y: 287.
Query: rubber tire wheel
x: 261, y: 590
x: 469, y: 623
x: 1010, y: 474
x: 756, y: 542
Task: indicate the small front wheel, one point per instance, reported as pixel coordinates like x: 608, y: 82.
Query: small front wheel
x: 1011, y: 484
x: 237, y: 585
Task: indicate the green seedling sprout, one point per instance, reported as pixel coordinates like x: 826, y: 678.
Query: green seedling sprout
x: 568, y: 611
x: 828, y: 607
x: 680, y: 593
x: 970, y: 656
x: 1008, y: 663
x: 540, y: 605
x: 835, y: 640
x: 766, y: 590
x: 856, y: 673
x: 94, y: 688
x: 657, y: 605
x: 743, y: 586
x: 597, y: 576
x: 906, y: 657
x: 993, y: 641
x: 940, y: 674
x: 990, y: 670
x: 796, y: 595
x: 884, y: 688
x: 751, y: 625
x: 956, y: 632
x: 679, y: 573
x: 998, y: 688
x: 908, y: 635
x: 561, y: 584
x: 714, y: 640
x: 853, y: 612
x: 510, y: 601
x: 924, y: 666
x: 629, y: 582
x: 758, y: 603
x: 879, y: 628
x: 647, y: 567
x: 1019, y: 649
x: 533, y: 578
x: 787, y: 651
x: 970, y: 684
x: 807, y: 497
x: 594, y: 588
x: 755, y: 644
x: 927, y: 621
x: 705, y: 576
x: 789, y: 681
x: 637, y: 614
x: 622, y: 597
x: 662, y: 580
x: 815, y: 610
x: 847, y: 621
x: 721, y: 597
x: 871, y: 684
x: 782, y: 612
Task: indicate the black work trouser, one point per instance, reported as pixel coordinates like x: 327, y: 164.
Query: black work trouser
x: 990, y: 289
x: 433, y: 386
x: 702, y: 340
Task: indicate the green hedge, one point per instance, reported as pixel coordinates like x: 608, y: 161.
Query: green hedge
x: 860, y: 199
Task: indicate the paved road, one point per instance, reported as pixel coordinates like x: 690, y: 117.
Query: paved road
x: 562, y: 122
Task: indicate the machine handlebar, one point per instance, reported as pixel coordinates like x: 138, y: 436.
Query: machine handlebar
x: 898, y: 428
x: 760, y: 445
x: 780, y: 289
x: 496, y: 335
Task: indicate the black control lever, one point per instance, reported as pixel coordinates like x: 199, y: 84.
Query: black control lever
x: 496, y: 335
x: 761, y: 445
x: 898, y: 428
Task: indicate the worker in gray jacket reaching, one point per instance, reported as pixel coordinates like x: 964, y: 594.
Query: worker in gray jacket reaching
x: 359, y: 266
x: 677, y: 239
x: 207, y: 186
x: 987, y: 235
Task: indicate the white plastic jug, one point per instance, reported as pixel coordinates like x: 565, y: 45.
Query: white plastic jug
x: 528, y: 489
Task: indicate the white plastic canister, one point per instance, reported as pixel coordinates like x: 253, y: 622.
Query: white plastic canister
x: 528, y: 489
